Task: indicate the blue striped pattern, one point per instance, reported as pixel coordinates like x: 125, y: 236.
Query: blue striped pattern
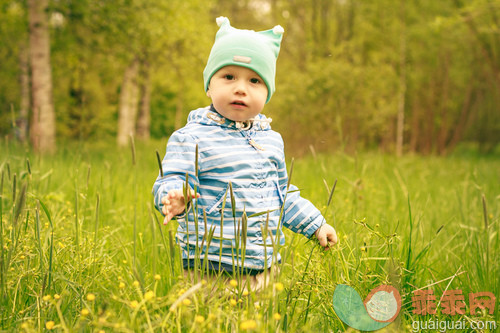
x: 253, y: 162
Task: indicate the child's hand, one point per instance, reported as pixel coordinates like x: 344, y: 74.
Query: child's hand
x: 326, y: 236
x: 174, y: 203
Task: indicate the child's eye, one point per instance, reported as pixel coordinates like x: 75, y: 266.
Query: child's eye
x: 255, y: 80
x: 229, y: 77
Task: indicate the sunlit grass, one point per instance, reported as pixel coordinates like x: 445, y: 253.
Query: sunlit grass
x: 82, y: 247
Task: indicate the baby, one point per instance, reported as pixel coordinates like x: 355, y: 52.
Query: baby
x: 238, y: 179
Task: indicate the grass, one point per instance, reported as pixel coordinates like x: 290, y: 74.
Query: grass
x: 82, y: 248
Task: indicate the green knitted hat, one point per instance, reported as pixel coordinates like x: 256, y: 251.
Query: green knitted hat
x: 247, y: 48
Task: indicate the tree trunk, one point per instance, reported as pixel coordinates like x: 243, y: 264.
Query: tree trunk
x: 24, y: 80
x: 43, y: 122
x: 127, y: 109
x: 402, y: 83
x: 144, y: 118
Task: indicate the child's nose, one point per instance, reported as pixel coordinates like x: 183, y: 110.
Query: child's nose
x: 240, y: 87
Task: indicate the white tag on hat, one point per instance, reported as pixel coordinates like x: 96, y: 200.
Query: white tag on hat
x: 242, y: 59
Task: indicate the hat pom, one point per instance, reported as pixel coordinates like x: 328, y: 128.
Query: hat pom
x: 221, y: 20
x: 278, y: 30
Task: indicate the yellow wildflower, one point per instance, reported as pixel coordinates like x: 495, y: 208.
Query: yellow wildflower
x: 149, y: 295
x: 233, y: 283
x: 233, y: 302
x: 121, y: 285
x: 279, y: 286
x: 136, y: 283
x: 57, y: 296
x: 248, y: 325
x: 199, y: 319
x: 277, y: 316
x: 50, y: 325
x: 186, y: 301
x: 85, y: 312
x: 47, y: 298
x: 90, y: 297
x: 134, y: 304
x: 157, y: 277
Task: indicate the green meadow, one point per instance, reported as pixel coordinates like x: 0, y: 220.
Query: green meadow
x: 84, y: 250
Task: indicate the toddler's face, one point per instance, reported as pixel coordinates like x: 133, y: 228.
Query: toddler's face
x: 237, y: 93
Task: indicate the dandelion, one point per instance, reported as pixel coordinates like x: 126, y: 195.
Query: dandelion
x: 277, y: 316
x: 50, y: 325
x: 248, y: 325
x: 135, y: 283
x: 134, y: 304
x: 233, y: 302
x: 90, y: 297
x: 57, y: 297
x: 47, y: 298
x: 149, y: 295
x: 199, y: 319
x: 22, y: 257
x: 84, y: 312
x: 121, y: 285
x: 233, y: 283
x: 157, y: 277
x: 245, y: 293
x: 279, y: 286
x: 186, y: 301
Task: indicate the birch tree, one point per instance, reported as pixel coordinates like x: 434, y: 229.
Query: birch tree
x: 43, y: 122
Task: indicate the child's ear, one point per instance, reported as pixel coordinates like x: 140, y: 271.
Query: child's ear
x: 208, y: 92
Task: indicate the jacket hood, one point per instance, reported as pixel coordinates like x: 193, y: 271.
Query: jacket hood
x: 209, y: 116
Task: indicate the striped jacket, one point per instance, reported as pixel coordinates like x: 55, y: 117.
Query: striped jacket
x: 253, y: 162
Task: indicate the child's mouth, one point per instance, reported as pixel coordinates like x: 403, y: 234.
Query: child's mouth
x: 239, y: 103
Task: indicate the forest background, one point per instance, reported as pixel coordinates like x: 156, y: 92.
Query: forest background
x: 400, y: 76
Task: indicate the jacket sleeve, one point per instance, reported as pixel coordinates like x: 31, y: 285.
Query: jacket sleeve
x: 299, y: 214
x: 179, y: 160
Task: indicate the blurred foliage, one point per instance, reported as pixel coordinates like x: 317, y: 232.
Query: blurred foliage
x: 341, y: 69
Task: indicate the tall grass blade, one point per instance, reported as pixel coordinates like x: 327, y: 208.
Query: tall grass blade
x: 160, y: 165
x: 486, y: 235
x: 132, y: 147
x: 2, y: 256
x: 96, y: 224
x: 51, y: 250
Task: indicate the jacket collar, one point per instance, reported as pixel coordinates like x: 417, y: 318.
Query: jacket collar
x: 210, y: 116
